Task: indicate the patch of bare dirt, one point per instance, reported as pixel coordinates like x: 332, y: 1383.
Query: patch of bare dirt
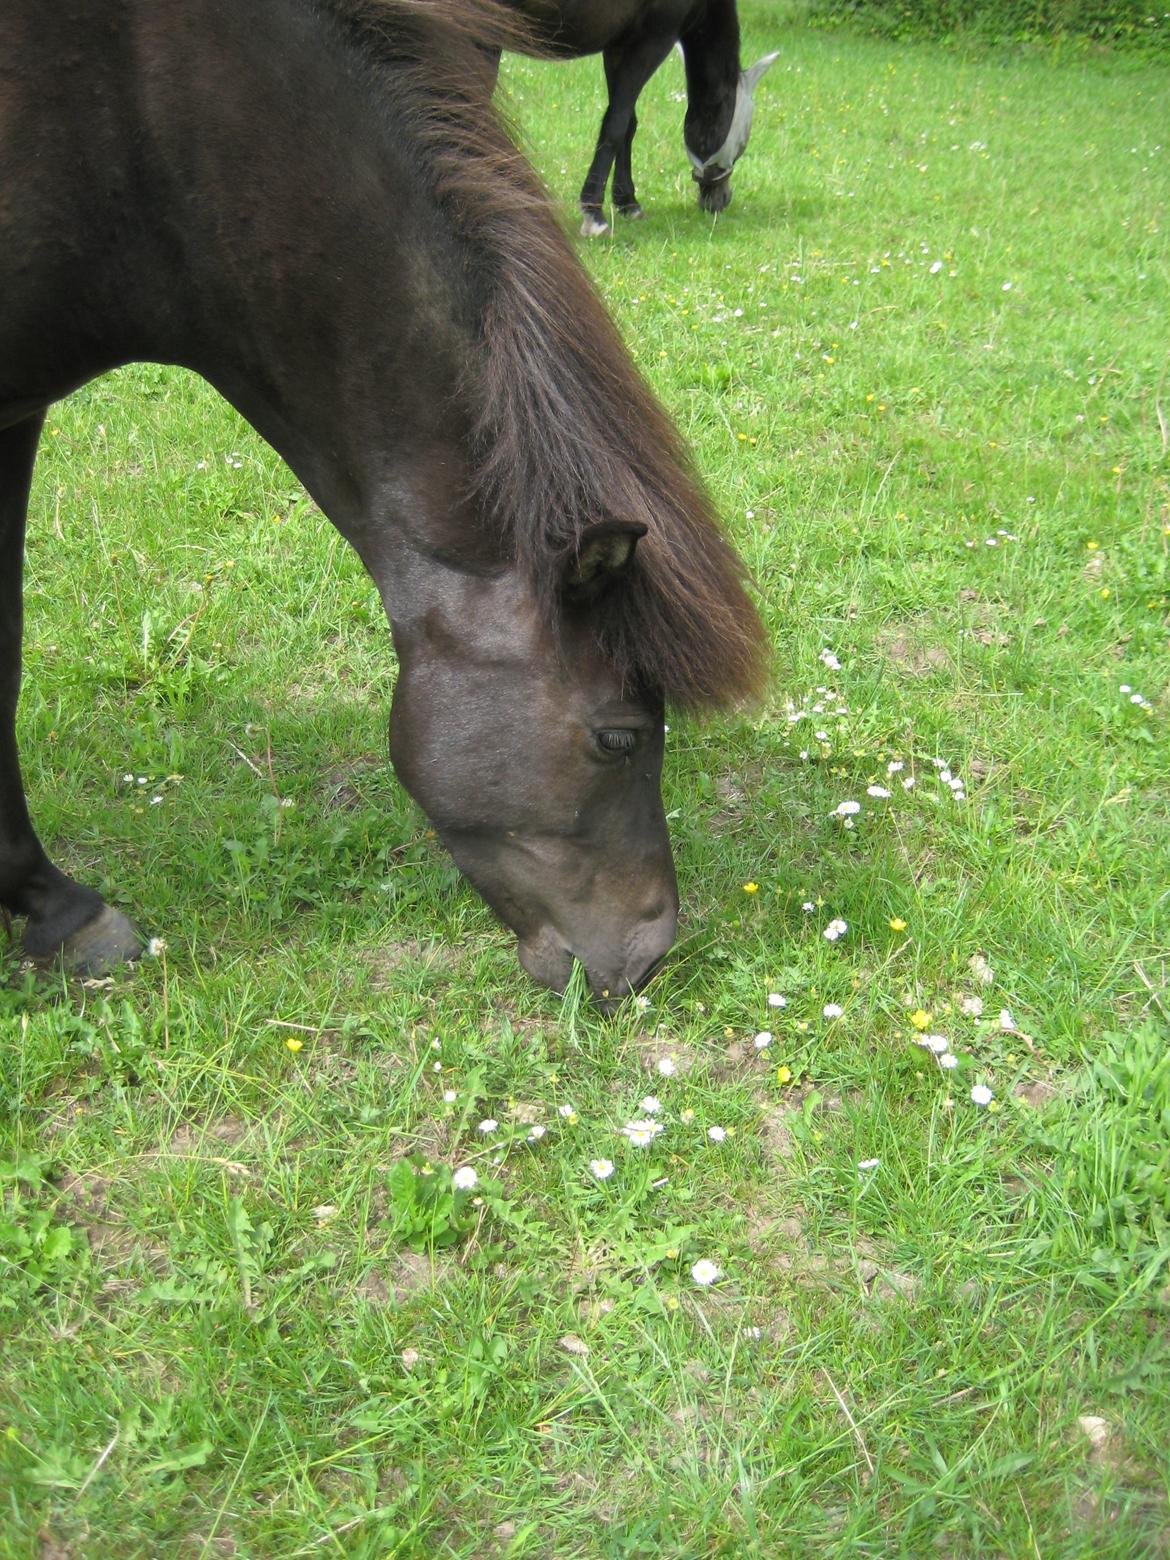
x: 664, y: 1056
x: 776, y: 1132
x: 87, y: 1203
x: 51, y: 1548
x: 373, y: 1288
x: 1037, y: 1094
x: 882, y: 1282
x: 342, y: 787
x: 899, y: 646
x: 385, y: 964
x: 223, y: 1141
x: 192, y: 1138
x: 403, y: 1274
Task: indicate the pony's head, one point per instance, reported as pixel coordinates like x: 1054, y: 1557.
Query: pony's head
x: 715, y: 143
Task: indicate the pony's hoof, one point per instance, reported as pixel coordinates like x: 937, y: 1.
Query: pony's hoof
x: 632, y: 211
x: 593, y: 225
x: 99, y: 946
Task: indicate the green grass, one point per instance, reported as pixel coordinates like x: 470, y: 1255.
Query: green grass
x: 233, y: 1324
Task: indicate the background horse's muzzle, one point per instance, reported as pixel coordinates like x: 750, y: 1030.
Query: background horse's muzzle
x: 714, y: 190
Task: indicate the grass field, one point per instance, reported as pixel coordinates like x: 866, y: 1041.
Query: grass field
x: 923, y: 361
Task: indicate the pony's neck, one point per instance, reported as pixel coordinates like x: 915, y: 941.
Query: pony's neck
x: 711, y: 60
x: 331, y: 301
x: 711, y: 50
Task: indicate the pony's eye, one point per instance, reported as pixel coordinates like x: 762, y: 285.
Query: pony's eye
x: 617, y: 741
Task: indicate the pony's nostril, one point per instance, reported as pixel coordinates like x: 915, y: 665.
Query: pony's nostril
x: 648, y: 974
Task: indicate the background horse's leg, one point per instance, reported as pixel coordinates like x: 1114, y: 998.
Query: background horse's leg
x: 624, y: 197
x: 627, y: 70
x: 65, y: 920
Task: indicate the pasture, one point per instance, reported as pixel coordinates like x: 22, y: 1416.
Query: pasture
x: 923, y: 364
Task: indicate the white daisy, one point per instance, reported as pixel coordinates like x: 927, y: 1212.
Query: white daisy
x: 464, y: 1178
x: 705, y: 1272
x: 602, y: 1168
x: 640, y: 1133
x: 981, y: 1094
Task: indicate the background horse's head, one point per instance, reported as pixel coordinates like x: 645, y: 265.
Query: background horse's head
x: 716, y: 135
x: 540, y: 768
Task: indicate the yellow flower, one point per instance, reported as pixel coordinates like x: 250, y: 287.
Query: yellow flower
x: 1092, y: 546
x: 293, y: 1043
x: 751, y: 888
x: 897, y: 924
x: 783, y: 1075
x: 919, y: 1019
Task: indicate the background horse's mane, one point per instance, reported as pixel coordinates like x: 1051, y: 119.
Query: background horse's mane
x: 567, y: 434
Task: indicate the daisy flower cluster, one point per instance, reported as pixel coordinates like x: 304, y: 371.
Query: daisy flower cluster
x: 997, y: 540
x: 951, y: 784
x: 826, y: 705
x: 821, y: 708
x: 1138, y: 700
x: 970, y: 1007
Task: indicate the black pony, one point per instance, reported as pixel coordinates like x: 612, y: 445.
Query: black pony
x: 311, y: 203
x: 633, y: 38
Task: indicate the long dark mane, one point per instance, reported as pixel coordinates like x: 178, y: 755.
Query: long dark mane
x: 567, y: 433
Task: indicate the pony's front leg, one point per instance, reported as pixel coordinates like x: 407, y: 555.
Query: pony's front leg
x: 627, y: 70
x: 64, y: 921
x: 624, y: 197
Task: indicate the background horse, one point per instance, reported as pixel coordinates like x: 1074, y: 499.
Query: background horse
x: 313, y: 206
x: 633, y: 38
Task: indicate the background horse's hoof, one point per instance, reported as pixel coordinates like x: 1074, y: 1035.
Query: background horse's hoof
x: 98, y: 946
x: 593, y: 225
x: 631, y: 210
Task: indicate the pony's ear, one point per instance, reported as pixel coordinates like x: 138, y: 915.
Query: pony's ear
x: 605, y: 551
x: 753, y: 73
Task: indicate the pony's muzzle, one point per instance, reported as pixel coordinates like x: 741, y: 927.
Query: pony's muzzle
x: 610, y: 975
x: 647, y: 947
x: 715, y: 193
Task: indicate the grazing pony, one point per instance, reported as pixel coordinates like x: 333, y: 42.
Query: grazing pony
x: 633, y: 38
x: 311, y: 203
